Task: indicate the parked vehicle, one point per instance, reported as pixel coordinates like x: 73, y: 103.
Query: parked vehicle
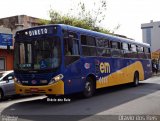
x: 6, y: 84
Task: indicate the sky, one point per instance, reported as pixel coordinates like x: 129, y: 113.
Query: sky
x: 129, y: 14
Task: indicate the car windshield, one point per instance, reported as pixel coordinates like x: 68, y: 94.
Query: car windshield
x: 38, y: 54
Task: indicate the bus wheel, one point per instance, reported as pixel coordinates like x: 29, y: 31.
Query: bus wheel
x: 89, y: 88
x: 136, y: 79
x: 1, y: 95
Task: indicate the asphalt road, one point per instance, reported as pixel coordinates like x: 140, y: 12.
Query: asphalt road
x: 110, y: 104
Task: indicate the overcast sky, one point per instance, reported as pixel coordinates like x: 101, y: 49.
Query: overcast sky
x: 130, y: 14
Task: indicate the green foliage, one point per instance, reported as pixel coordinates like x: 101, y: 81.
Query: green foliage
x: 87, y: 19
x: 44, y: 22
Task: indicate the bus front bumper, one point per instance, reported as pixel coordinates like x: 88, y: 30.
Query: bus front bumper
x: 55, y: 88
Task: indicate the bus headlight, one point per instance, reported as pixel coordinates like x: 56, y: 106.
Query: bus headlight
x: 16, y: 80
x: 56, y: 78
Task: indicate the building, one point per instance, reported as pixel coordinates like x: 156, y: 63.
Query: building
x: 6, y: 49
x: 151, y: 35
x: 19, y: 22
x: 8, y: 27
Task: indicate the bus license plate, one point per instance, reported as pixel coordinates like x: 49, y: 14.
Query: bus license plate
x: 34, y: 90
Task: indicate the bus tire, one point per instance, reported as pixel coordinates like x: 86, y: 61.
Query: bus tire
x: 136, y: 79
x: 89, y: 88
x: 1, y: 95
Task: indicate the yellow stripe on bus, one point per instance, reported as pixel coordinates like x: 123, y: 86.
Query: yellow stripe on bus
x: 125, y: 75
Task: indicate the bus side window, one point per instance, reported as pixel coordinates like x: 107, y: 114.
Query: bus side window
x: 68, y: 47
x: 71, y: 49
x: 133, y: 50
x: 141, y: 53
x: 88, y: 45
x: 147, y: 53
x: 71, y: 46
x: 116, y: 49
x: 103, y: 47
x: 125, y: 47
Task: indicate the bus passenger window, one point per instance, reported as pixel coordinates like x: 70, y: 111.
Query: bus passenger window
x: 71, y: 49
x: 147, y: 53
x: 88, y: 45
x: 71, y: 46
x: 133, y: 48
x: 125, y: 47
x: 116, y: 49
x: 88, y: 40
x: 102, y: 42
x: 141, y: 53
x: 67, y: 47
x: 103, y: 47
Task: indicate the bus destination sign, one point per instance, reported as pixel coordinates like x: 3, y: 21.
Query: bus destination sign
x: 36, y: 32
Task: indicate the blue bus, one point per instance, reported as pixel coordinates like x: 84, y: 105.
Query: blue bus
x: 62, y: 59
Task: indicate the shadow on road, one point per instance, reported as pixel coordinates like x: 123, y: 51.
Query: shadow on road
x: 78, y: 108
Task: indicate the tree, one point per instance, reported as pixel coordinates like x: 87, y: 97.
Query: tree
x: 87, y: 19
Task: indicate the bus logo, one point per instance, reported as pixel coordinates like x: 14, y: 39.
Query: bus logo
x: 87, y: 65
x: 104, y: 67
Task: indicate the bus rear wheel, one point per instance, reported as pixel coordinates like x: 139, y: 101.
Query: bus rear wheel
x: 89, y: 89
x: 136, y: 79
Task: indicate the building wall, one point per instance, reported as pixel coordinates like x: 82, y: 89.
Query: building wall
x: 151, y: 34
x: 7, y: 56
x: 19, y: 22
x: 10, y: 25
x: 5, y: 30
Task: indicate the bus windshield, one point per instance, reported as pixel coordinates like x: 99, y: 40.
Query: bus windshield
x: 43, y: 53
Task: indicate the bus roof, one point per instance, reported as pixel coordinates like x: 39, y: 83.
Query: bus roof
x: 91, y: 33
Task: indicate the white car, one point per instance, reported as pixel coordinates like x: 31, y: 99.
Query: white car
x: 6, y: 84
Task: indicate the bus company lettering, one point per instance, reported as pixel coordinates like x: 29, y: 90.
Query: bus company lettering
x: 37, y: 32
x: 104, y: 67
